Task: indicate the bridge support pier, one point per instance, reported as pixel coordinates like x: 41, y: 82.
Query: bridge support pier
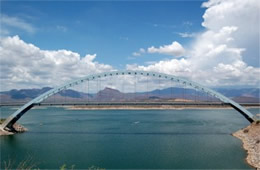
x: 10, y: 121
x: 250, y: 119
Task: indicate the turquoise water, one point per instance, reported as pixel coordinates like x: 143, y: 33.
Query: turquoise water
x: 128, y: 139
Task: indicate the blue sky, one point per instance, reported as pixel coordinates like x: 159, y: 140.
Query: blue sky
x: 109, y: 29
x: 212, y: 42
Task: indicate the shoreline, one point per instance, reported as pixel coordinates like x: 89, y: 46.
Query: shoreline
x: 150, y: 107
x: 250, y: 137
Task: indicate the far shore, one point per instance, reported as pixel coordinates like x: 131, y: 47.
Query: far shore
x: 140, y: 106
x: 151, y: 107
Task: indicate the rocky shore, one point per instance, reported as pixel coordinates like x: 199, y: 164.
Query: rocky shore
x: 250, y: 137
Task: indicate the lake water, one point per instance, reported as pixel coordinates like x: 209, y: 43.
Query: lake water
x: 132, y: 139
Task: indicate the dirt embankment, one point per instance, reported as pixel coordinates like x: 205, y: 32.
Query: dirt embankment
x: 250, y: 137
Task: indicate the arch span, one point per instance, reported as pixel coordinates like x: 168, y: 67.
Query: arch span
x: 8, y: 123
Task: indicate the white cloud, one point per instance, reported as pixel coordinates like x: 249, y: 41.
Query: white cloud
x: 242, y: 14
x: 187, y: 35
x: 141, y: 50
x: 174, y: 49
x: 221, y: 54
x: 24, y: 65
x: 15, y: 22
x: 139, y: 53
x: 174, y: 66
x: 136, y: 54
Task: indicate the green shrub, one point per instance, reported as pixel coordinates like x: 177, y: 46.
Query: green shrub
x: 2, y: 120
x: 64, y: 167
x: 246, y: 131
x: 26, y: 164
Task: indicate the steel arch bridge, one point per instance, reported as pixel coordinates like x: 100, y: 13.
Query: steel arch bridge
x: 9, y: 122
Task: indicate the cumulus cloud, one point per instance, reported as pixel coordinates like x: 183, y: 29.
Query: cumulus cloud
x: 23, y: 65
x: 221, y: 54
x: 174, y: 49
x: 242, y: 14
x: 181, y: 67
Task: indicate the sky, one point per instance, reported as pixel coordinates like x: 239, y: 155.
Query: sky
x: 46, y: 43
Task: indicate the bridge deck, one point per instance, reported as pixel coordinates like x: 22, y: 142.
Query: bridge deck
x: 132, y: 104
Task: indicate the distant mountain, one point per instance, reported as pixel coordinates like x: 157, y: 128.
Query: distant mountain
x: 243, y: 99
x: 25, y: 93
x: 109, y: 94
x: 250, y: 95
x: 244, y: 92
x: 73, y: 94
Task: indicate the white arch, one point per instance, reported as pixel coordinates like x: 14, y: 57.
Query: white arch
x: 8, y: 123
